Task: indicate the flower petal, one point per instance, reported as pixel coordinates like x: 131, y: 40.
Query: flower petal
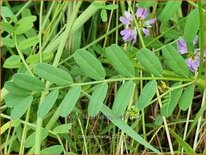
x: 128, y: 15
x: 146, y: 31
x: 195, y: 40
x: 151, y: 21
x: 124, y: 20
x: 125, y: 31
x: 142, y: 13
x: 182, y: 46
x: 193, y: 63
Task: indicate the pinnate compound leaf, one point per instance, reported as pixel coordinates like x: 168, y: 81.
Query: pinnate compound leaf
x: 53, y: 74
x: 120, y: 61
x: 97, y: 99
x: 147, y: 94
x: 89, y: 64
x: 149, y: 61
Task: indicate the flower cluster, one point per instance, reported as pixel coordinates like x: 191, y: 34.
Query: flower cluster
x: 193, y: 58
x: 130, y: 32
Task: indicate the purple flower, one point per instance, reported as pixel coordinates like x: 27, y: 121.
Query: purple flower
x: 129, y: 35
x: 182, y: 46
x: 142, y: 14
x: 193, y: 62
x: 127, y: 19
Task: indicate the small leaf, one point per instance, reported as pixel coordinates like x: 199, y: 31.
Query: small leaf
x: 23, y: 28
x: 7, y: 27
x: 104, y: 15
x: 97, y: 99
x: 21, y: 107
x: 13, y: 61
x: 53, y: 74
x: 169, y: 10
x: 187, y: 97
x: 120, y: 61
x: 123, y: 98
x: 149, y: 61
x: 111, y: 7
x: 182, y: 142
x: 62, y: 128
x: 30, y: 140
x: 146, y: 4
x: 69, y: 101
x: 25, y: 20
x: 89, y: 64
x: 47, y: 103
x: 54, y: 149
x: 28, y: 82
x: 175, y: 61
x: 167, y: 109
x: 191, y: 26
x: 125, y: 128
x: 6, y: 12
x: 36, y: 57
x: 98, y: 5
x: 12, y: 99
x: 8, y: 42
x: 14, y: 89
x: 28, y: 43
x: 146, y: 95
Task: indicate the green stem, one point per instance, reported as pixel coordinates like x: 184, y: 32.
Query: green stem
x: 202, y: 35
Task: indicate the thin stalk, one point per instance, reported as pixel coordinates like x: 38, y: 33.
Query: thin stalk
x: 40, y: 31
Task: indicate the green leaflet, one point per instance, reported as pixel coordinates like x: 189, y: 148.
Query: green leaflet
x: 182, y: 142
x: 7, y: 27
x: 175, y: 61
x: 28, y: 19
x: 146, y: 95
x: 8, y: 42
x: 69, y: 101
x: 20, y: 107
x: 125, y: 128
x: 147, y: 4
x: 11, y: 100
x: 191, y: 26
x: 123, y: 98
x: 120, y: 61
x: 97, y: 99
x: 168, y: 108
x: 64, y: 128
x: 14, y: 89
x: 169, y: 10
x: 28, y: 43
x: 47, y: 103
x: 23, y: 28
x: 36, y: 57
x: 54, y: 149
x: 28, y: 82
x: 149, y: 61
x: 30, y: 140
x: 104, y: 15
x: 13, y: 61
x: 187, y: 97
x: 53, y: 74
x: 89, y: 64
